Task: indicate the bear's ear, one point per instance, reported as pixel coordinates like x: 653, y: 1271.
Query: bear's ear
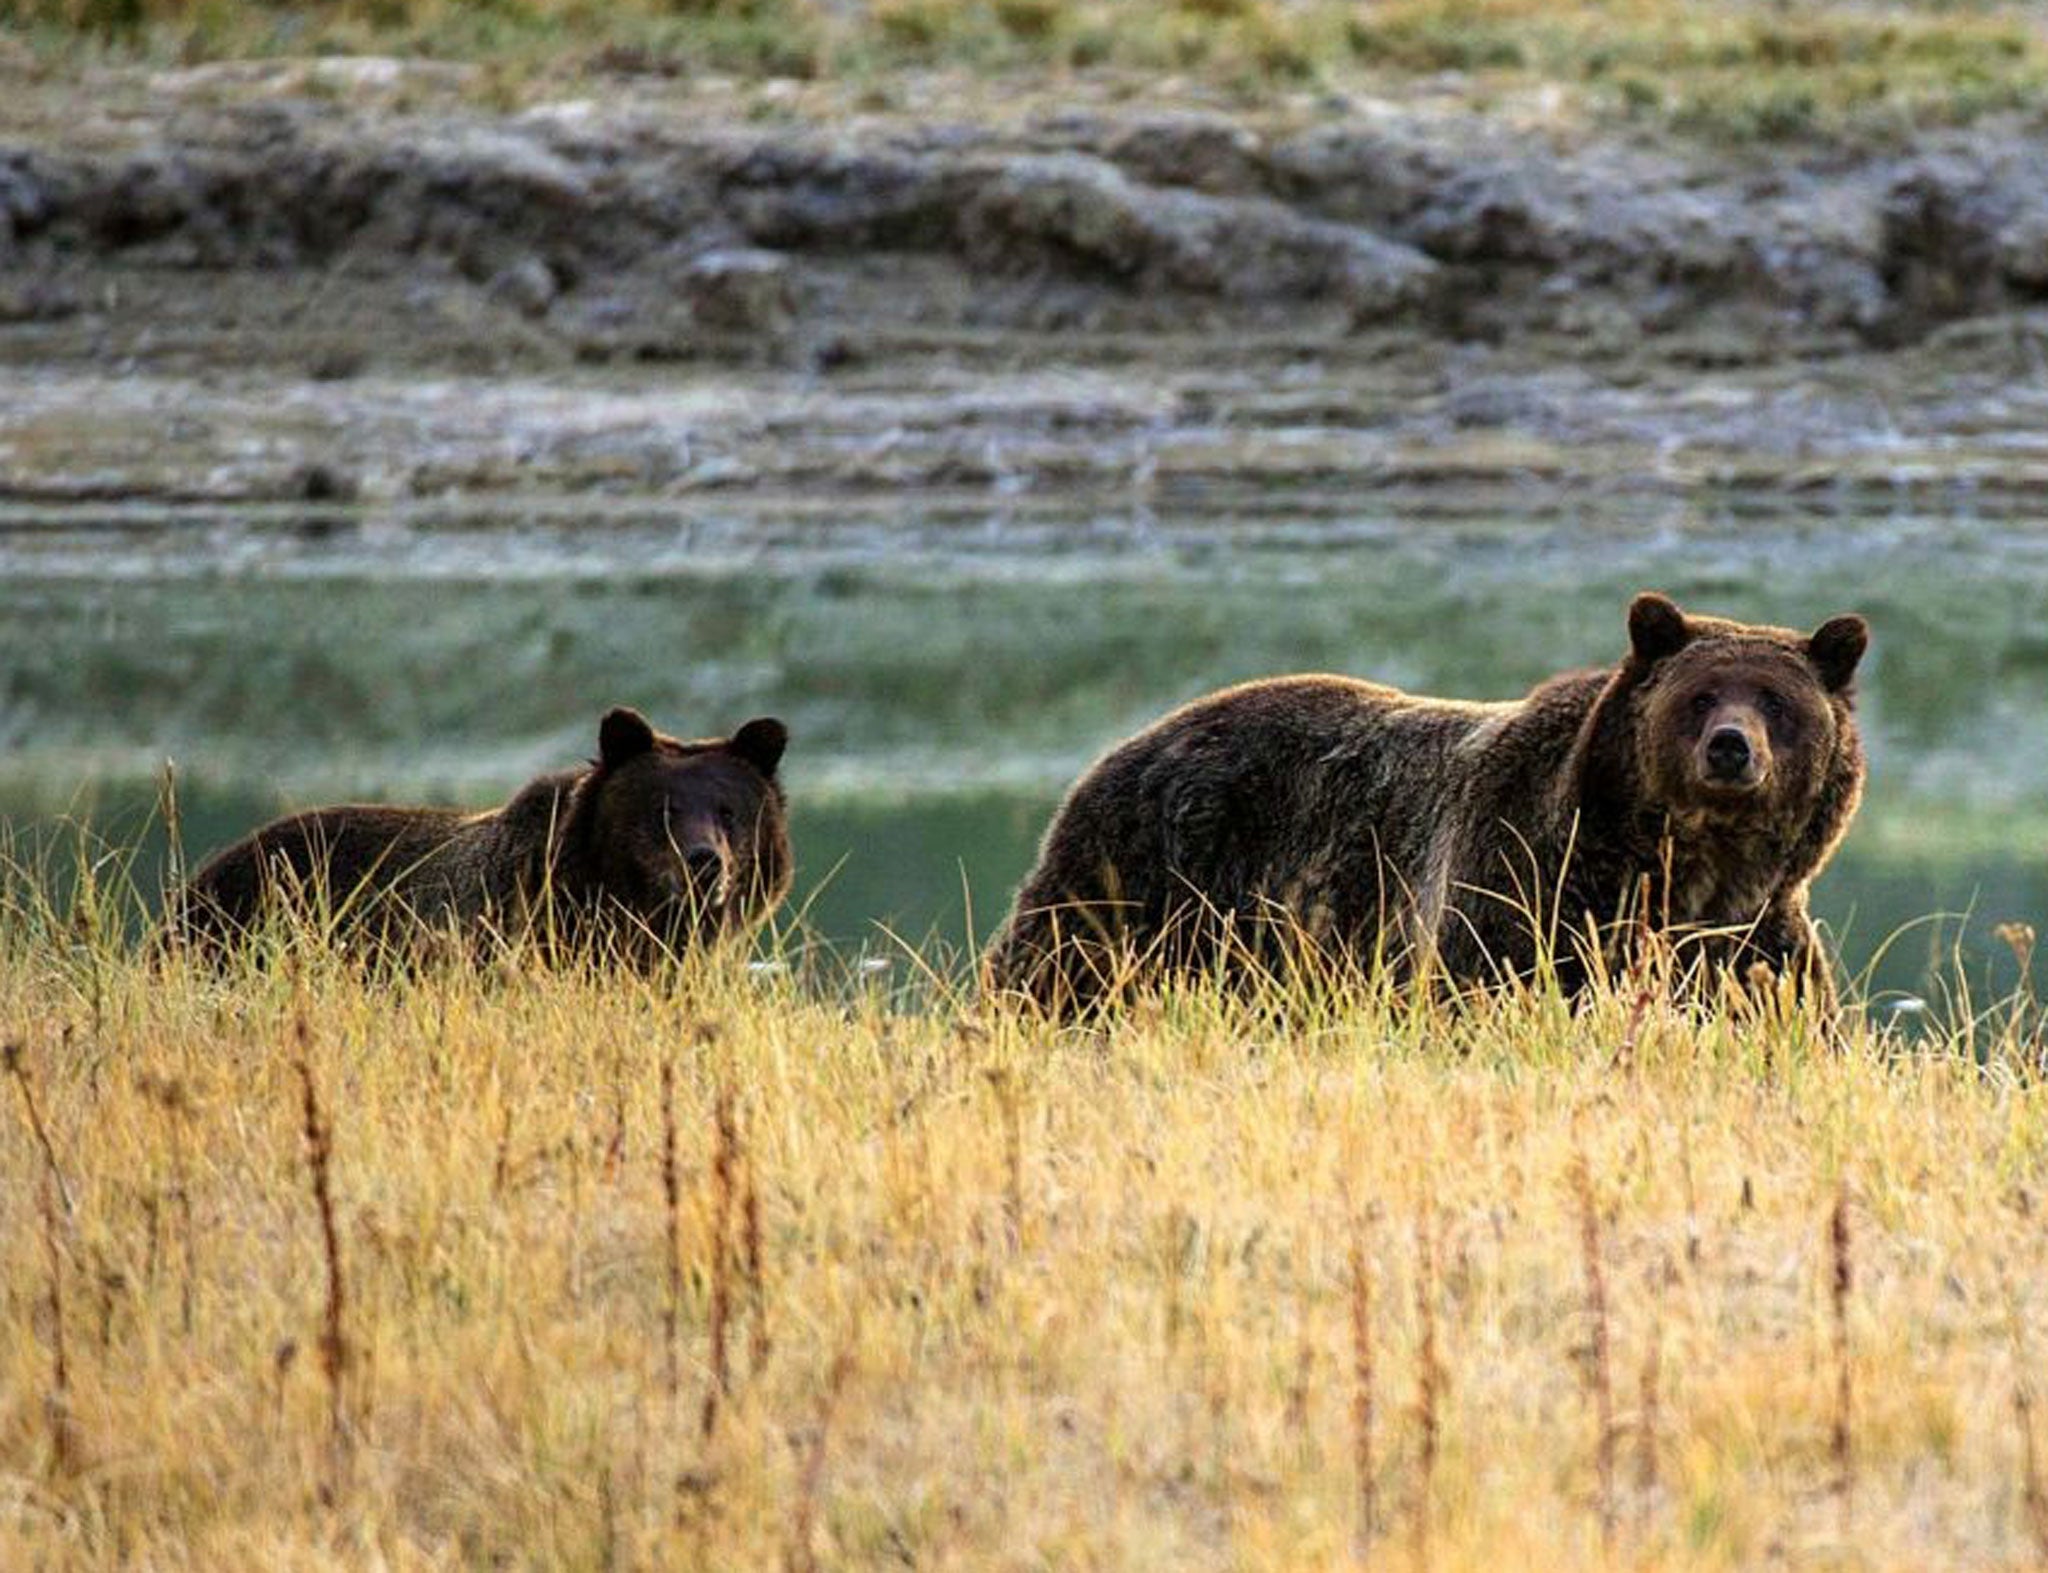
x: 760, y: 743
x: 623, y: 735
x: 1656, y: 627
x: 1835, y: 648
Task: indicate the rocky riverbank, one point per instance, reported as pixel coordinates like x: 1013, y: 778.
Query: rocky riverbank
x: 303, y: 282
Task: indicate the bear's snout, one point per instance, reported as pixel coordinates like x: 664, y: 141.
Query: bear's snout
x: 1733, y: 754
x: 1728, y: 753
x: 705, y: 876
x: 709, y: 872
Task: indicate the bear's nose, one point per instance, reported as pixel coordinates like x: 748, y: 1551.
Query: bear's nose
x: 704, y: 865
x: 1727, y: 753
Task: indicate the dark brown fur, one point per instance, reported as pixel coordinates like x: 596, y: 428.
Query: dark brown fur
x: 1383, y: 828
x: 656, y: 844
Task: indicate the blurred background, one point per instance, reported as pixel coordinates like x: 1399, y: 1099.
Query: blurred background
x: 388, y: 388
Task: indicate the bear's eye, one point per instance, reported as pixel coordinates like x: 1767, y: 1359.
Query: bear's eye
x: 1771, y: 705
x: 1702, y: 703
x: 725, y: 820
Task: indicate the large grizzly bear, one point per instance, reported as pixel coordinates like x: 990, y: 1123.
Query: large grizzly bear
x: 1699, y: 785
x: 654, y: 845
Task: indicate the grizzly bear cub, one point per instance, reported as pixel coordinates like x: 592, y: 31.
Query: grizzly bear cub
x: 1697, y: 787
x: 653, y: 846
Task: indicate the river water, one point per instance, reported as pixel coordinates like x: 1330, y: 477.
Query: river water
x: 947, y: 667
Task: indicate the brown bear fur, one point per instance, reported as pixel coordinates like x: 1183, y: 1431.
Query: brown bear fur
x: 1465, y: 840
x: 654, y: 845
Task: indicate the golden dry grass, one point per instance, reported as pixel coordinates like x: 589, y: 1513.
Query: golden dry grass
x: 1011, y: 1296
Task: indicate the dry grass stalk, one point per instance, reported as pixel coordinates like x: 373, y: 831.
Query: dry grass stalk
x: 2020, y: 939
x: 672, y: 1195
x: 1692, y: 1199
x: 1638, y: 978
x: 1650, y: 1418
x: 1295, y: 1415
x: 111, y: 1281
x: 281, y: 1362
x: 1429, y: 1379
x: 1003, y: 1085
x: 334, y: 1349
x: 50, y: 1190
x: 1362, y: 1394
x: 16, y: 1058
x: 758, y: 1341
x: 1599, y: 1364
x: 724, y: 1158
x: 174, y: 851
x: 152, y: 1249
x: 1176, y: 1232
x: 1841, y: 1436
x: 2033, y: 1497
x: 1632, y: 1032
x: 801, y: 1554
x: 607, y: 1520
x: 57, y: 1404
x: 169, y: 1095
x: 2024, y: 1023
x: 615, y: 1144
x: 501, y: 1165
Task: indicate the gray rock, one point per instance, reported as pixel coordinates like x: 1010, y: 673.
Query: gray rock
x: 2023, y: 250
x: 1371, y: 175
x: 741, y: 291
x: 1064, y: 204
x: 798, y: 196
x: 1078, y: 210
x: 528, y: 286
x: 1493, y: 216
x: 1205, y: 152
x: 24, y: 201
x: 484, y: 160
x: 1939, y: 244
x: 36, y: 299
x: 145, y: 198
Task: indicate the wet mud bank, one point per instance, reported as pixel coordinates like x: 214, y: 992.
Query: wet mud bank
x: 213, y: 291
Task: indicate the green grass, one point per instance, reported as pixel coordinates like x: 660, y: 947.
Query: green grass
x: 986, y: 1292
x: 1744, y: 71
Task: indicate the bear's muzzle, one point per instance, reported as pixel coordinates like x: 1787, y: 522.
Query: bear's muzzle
x: 1731, y: 759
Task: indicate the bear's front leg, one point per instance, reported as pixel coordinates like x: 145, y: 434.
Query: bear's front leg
x: 1066, y: 959
x: 1785, y: 944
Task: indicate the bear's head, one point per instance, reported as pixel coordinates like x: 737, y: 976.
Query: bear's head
x: 689, y: 838
x: 1738, y: 721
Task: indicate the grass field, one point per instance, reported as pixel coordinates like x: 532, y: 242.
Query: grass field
x: 733, y: 1268
x: 1748, y: 69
